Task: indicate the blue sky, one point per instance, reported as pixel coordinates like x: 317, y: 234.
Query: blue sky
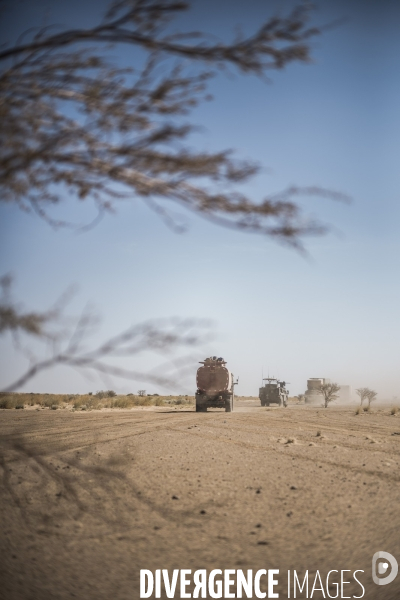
x: 334, y: 123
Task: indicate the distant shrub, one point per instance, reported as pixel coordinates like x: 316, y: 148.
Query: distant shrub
x: 146, y: 401
x: 394, y: 410
x: 122, y: 402
x: 181, y: 400
x: 105, y: 394
x: 50, y: 400
x: 130, y: 401
x: 8, y: 401
x: 90, y: 401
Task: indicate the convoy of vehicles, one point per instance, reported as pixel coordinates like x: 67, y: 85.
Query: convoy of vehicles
x: 215, y: 387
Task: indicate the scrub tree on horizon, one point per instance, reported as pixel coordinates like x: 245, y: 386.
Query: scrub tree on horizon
x: 329, y: 392
x: 363, y: 394
x: 371, y: 397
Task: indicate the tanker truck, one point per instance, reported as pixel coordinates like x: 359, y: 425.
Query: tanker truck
x: 273, y: 392
x: 215, y: 386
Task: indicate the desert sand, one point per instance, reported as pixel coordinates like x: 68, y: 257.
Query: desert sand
x: 90, y: 498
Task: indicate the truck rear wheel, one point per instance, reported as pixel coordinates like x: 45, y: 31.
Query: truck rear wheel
x: 229, y: 404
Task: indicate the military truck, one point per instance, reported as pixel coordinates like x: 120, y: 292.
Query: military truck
x: 215, y: 385
x: 273, y: 392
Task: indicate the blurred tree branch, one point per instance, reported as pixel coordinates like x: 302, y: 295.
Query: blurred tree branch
x: 67, y: 343
x: 72, y: 118
x: 13, y: 319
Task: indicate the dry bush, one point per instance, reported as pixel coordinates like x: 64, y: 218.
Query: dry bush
x: 394, y: 410
x: 90, y: 401
x: 359, y: 410
x: 30, y: 399
x: 46, y: 400
x: 123, y: 402
x: 133, y: 400
x: 105, y: 394
x: 181, y: 400
x: 49, y: 400
x: 9, y: 401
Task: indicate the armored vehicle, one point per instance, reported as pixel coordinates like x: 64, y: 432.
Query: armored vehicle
x: 215, y: 386
x: 273, y: 392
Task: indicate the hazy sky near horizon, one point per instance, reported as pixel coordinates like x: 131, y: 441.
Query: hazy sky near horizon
x: 334, y: 123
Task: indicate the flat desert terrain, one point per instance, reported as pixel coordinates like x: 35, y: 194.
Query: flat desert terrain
x: 90, y: 498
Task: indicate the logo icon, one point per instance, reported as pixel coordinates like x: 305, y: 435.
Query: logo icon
x: 380, y: 565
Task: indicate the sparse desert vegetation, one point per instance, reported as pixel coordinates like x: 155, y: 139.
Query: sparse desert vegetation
x: 109, y: 399
x: 98, y: 401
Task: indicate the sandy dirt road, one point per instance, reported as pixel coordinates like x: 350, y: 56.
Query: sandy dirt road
x: 89, y: 499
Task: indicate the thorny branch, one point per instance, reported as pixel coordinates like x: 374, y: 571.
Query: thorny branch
x: 16, y: 320
x: 72, y: 118
x: 162, y: 336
